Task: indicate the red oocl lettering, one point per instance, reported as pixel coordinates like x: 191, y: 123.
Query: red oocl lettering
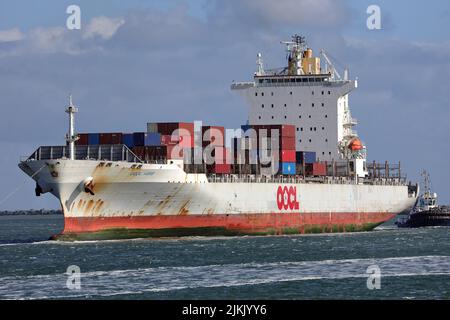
x: 287, y: 198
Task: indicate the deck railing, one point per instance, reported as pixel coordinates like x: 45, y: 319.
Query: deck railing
x: 114, y: 152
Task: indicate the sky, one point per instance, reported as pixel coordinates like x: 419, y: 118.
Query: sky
x: 139, y: 61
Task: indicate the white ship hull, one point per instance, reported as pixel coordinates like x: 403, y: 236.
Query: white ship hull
x: 162, y: 200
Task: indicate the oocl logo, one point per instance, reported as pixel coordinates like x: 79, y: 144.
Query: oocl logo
x: 287, y: 198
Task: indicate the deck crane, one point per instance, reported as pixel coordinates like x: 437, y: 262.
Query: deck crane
x: 330, y: 66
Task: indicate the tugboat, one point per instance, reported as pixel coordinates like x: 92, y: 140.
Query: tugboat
x: 426, y: 212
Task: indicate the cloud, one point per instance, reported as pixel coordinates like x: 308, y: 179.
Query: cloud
x: 103, y: 27
x: 11, y: 35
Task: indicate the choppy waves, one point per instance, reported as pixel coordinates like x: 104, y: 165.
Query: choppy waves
x: 135, y: 281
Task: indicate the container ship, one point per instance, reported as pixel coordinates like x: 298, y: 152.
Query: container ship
x: 296, y: 166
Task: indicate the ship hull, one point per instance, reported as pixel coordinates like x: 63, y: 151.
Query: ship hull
x: 95, y: 228
x: 125, y: 201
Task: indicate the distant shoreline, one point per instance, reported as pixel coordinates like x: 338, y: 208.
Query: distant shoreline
x: 31, y: 212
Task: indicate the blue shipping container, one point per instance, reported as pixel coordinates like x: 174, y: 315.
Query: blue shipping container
x: 288, y: 167
x: 139, y: 139
x: 245, y: 127
x: 310, y: 157
x: 152, y: 139
x: 94, y: 138
x: 128, y: 140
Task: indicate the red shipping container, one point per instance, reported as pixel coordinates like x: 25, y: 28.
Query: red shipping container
x: 183, y: 141
x: 175, y: 152
x: 287, y: 143
x: 316, y: 169
x: 222, y: 155
x: 288, y: 130
x: 222, y: 168
x: 284, y: 130
x: 213, y: 135
x: 110, y: 138
x: 168, y: 128
x: 287, y: 155
x: 116, y: 138
x: 166, y: 140
x: 83, y: 139
x: 186, y: 141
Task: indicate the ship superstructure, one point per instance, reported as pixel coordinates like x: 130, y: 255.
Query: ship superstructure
x: 115, y: 185
x: 313, y: 98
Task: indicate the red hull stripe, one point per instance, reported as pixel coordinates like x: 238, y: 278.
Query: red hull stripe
x: 231, y: 221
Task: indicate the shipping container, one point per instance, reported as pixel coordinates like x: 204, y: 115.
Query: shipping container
x: 152, y: 139
x: 305, y: 157
x: 287, y: 155
x: 288, y: 167
x: 127, y: 139
x: 94, y: 138
x: 83, y: 139
x: 110, y: 138
x: 287, y: 143
x: 168, y: 128
x: 315, y: 169
x: 219, y: 168
x: 152, y: 127
x: 175, y: 152
x: 213, y: 135
x: 283, y: 143
x: 245, y: 127
x: 284, y: 130
x: 139, y: 139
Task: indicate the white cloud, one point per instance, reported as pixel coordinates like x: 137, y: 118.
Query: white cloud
x: 103, y: 27
x: 11, y: 35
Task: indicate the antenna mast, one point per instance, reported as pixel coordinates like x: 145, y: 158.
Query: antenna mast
x: 71, y: 137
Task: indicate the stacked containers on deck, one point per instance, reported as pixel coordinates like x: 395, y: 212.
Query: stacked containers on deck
x: 82, y: 139
x: 277, y: 142
x: 110, y: 138
x: 213, y: 139
x: 306, y: 163
x: 316, y: 169
x: 127, y: 139
x: 99, y: 138
x: 93, y: 138
x: 175, y: 136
